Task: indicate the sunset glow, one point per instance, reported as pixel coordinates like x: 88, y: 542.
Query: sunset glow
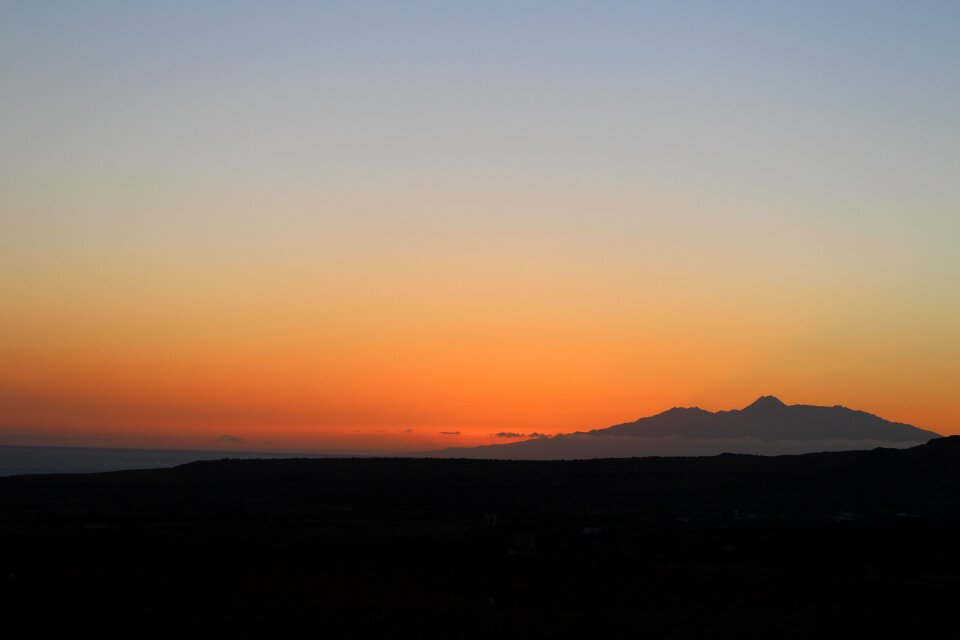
x: 363, y: 227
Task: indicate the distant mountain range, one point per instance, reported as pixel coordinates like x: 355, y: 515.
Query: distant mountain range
x: 766, y: 427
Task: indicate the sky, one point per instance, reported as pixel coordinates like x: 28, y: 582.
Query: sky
x: 394, y: 226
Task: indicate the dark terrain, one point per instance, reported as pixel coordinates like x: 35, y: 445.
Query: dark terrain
x: 844, y: 544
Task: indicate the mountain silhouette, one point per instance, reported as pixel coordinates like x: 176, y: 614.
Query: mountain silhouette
x: 770, y: 419
x: 768, y: 426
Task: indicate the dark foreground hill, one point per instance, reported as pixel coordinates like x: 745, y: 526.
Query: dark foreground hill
x: 766, y: 427
x: 831, y: 544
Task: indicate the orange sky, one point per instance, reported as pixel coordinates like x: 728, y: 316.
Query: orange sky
x: 287, y: 359
x: 332, y: 228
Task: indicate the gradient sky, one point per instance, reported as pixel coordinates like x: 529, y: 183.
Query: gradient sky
x: 356, y: 225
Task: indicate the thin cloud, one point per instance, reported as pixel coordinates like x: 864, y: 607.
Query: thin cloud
x: 450, y: 433
x: 514, y: 435
x: 231, y: 439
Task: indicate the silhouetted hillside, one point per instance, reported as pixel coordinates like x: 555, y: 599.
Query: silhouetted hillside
x: 823, y: 545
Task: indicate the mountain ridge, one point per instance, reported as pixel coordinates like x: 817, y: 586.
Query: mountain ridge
x: 769, y: 418
x: 767, y: 426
